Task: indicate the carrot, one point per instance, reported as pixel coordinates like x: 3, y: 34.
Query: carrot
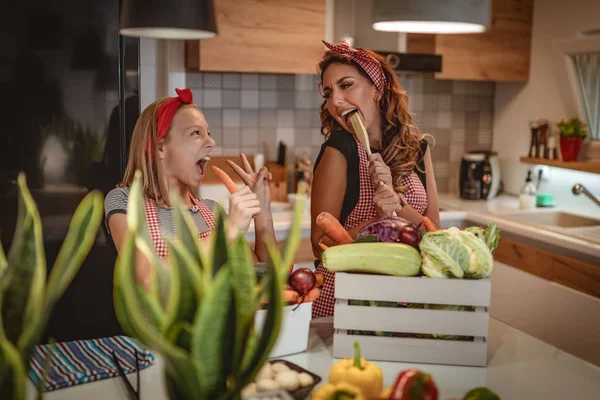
x: 290, y: 296
x: 332, y: 228
x: 429, y: 226
x: 323, y: 246
x: 312, y: 295
x: 320, y: 280
x: 222, y: 175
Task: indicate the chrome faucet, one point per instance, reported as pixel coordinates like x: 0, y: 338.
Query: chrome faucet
x: 578, y: 188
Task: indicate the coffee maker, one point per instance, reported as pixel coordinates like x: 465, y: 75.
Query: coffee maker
x: 479, y: 175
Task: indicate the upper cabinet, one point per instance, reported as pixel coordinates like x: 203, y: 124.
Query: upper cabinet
x: 502, y: 53
x: 270, y: 36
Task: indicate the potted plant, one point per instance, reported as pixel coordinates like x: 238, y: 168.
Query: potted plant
x: 199, y: 312
x: 572, y: 133
x: 26, y: 299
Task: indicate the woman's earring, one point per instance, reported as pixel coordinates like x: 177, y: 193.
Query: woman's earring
x: 162, y: 156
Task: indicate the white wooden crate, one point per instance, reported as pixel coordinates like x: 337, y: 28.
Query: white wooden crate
x: 421, y: 290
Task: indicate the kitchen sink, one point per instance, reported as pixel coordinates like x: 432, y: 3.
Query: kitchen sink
x: 553, y: 218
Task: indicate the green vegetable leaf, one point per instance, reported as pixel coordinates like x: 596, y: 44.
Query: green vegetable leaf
x: 444, y: 254
x: 26, y: 275
x: 243, y: 279
x: 77, y: 245
x: 208, y: 335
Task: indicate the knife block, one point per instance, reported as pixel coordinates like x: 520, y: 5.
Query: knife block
x: 278, y: 185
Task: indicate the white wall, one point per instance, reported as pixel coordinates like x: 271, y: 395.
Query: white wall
x: 162, y: 69
x: 546, y: 95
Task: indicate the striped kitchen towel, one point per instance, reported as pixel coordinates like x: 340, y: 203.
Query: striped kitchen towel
x: 83, y: 361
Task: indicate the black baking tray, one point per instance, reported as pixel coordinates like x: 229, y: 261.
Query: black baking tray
x: 302, y: 393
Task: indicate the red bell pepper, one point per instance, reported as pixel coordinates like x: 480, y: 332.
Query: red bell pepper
x: 413, y: 384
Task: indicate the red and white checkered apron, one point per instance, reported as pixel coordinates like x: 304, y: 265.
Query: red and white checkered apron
x: 154, y: 225
x: 364, y: 210
x: 415, y: 194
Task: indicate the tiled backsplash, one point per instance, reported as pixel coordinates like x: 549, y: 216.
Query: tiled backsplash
x: 253, y: 112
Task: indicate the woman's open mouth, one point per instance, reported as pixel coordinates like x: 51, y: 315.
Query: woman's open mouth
x: 346, y: 115
x: 201, y: 164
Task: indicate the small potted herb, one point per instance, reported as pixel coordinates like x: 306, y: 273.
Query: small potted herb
x: 572, y: 133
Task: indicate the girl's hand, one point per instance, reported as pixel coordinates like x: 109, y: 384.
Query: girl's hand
x: 386, y: 200
x: 257, y: 182
x: 243, y: 206
x: 379, y: 171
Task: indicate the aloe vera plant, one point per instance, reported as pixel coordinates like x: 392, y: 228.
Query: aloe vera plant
x: 26, y: 298
x: 198, y: 312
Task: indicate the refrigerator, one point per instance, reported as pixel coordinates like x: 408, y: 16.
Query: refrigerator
x: 70, y: 84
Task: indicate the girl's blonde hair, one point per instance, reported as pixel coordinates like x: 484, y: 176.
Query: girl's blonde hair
x: 146, y: 131
x: 399, y: 131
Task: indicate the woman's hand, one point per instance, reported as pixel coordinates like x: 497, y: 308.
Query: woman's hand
x: 379, y: 171
x: 243, y: 206
x: 386, y: 200
x: 257, y: 182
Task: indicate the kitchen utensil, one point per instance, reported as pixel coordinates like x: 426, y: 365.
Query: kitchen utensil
x: 363, y: 137
x: 281, y: 152
x: 534, y: 150
x: 360, y: 131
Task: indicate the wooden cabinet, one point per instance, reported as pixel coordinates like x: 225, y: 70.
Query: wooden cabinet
x: 271, y: 36
x: 501, y: 54
x: 567, y: 271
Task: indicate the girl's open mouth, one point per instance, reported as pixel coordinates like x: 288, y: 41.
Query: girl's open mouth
x: 201, y: 164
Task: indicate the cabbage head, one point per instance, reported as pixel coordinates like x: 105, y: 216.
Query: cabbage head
x: 454, y: 253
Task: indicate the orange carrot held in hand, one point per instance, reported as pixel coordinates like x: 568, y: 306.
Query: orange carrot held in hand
x: 429, y: 226
x: 312, y: 295
x: 332, y: 228
x: 222, y: 175
x: 320, y: 280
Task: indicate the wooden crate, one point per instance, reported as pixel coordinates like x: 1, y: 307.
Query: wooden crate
x: 382, y: 288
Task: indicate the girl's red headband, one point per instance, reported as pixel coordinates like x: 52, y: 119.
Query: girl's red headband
x: 166, y: 112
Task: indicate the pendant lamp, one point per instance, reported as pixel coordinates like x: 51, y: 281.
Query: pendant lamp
x: 432, y: 16
x: 173, y: 19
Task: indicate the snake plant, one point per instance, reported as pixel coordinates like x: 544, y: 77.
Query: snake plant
x: 199, y: 310
x: 26, y: 298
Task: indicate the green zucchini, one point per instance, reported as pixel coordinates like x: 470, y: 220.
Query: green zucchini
x: 396, y: 259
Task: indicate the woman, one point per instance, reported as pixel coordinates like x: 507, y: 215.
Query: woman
x: 171, y: 146
x: 347, y: 183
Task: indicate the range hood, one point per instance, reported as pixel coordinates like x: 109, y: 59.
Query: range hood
x: 352, y: 21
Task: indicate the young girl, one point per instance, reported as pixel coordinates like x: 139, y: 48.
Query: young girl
x: 171, y: 146
x: 347, y: 183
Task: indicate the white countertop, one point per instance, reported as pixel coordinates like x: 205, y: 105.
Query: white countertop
x: 519, y: 367
x: 482, y: 212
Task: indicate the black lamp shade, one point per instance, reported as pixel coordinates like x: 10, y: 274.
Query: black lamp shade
x: 168, y: 19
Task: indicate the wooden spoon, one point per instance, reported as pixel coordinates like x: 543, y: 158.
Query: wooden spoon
x: 361, y: 134
x: 360, y: 131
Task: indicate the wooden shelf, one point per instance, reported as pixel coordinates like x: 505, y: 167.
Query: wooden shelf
x: 593, y: 167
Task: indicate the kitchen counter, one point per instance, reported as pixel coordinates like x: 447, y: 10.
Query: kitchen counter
x: 519, y: 367
x: 455, y: 211
x: 504, y: 212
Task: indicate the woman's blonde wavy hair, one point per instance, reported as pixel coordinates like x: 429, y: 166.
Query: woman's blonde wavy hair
x: 399, y: 131
x: 146, y: 129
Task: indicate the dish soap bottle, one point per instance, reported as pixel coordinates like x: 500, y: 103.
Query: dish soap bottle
x: 527, y: 196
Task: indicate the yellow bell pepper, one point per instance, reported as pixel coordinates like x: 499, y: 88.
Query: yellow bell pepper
x: 357, y: 371
x: 339, y: 391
